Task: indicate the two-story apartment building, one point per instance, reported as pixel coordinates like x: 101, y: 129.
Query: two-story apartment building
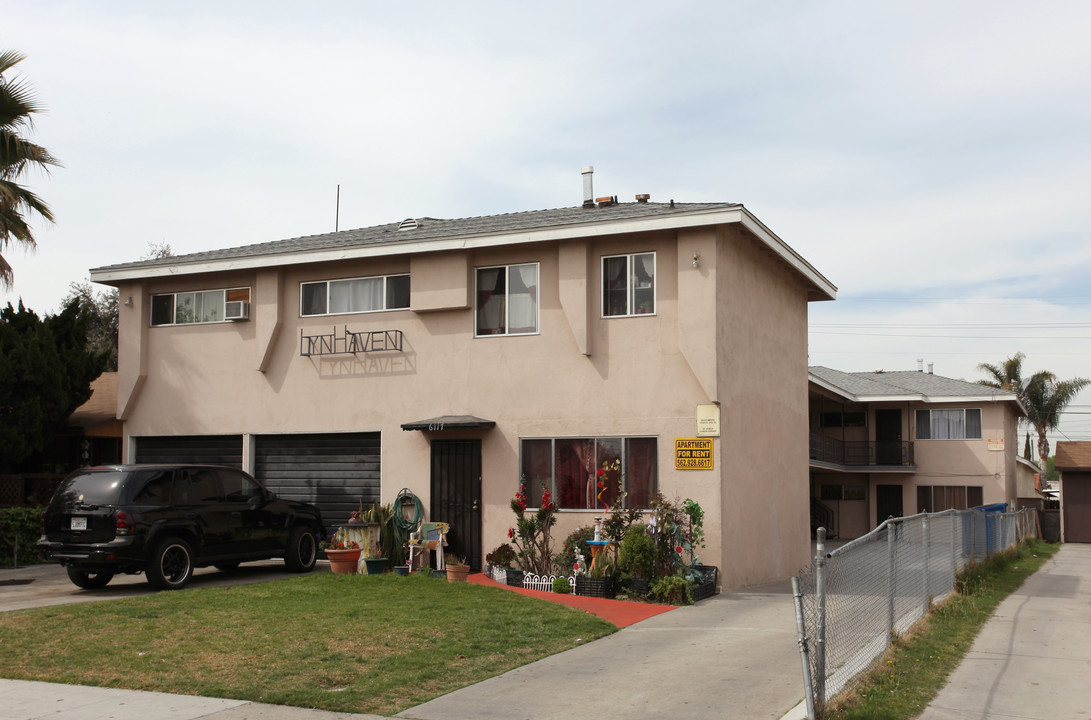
x: 454, y: 358
x: 889, y: 444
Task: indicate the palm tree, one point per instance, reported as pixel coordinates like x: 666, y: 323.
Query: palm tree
x: 1045, y: 397
x: 17, y: 155
x: 1008, y: 375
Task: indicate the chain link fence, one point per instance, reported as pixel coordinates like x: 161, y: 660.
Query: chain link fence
x: 856, y: 598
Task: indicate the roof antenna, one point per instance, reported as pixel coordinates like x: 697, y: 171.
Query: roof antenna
x: 337, y: 211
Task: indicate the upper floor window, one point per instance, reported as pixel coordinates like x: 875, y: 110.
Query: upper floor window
x: 355, y: 295
x: 587, y: 473
x: 507, y: 300
x: 956, y: 424
x: 628, y: 285
x: 201, y: 306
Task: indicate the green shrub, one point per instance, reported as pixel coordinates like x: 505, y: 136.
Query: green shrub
x: 636, y: 556
x: 562, y: 586
x: 673, y: 590
x: 502, y: 556
x: 22, y: 525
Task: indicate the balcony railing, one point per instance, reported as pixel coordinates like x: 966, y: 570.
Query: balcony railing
x: 861, y: 453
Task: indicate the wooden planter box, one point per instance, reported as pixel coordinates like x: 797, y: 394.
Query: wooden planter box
x: 604, y: 587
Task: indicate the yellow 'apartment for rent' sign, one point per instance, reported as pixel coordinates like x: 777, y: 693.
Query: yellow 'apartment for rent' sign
x: 693, y: 453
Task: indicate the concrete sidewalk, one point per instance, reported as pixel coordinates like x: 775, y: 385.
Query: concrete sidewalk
x: 1032, y: 660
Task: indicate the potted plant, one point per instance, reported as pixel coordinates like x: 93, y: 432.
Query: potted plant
x: 457, y: 569
x: 374, y: 560
x: 598, y: 582
x: 344, y: 555
x: 499, y: 562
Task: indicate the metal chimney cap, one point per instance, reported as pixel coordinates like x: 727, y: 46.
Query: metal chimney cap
x: 588, y: 169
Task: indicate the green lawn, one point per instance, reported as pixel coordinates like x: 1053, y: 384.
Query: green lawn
x: 337, y: 642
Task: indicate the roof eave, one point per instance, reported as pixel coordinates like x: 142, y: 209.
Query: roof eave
x: 821, y: 288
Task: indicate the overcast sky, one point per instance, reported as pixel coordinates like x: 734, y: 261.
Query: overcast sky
x: 930, y: 158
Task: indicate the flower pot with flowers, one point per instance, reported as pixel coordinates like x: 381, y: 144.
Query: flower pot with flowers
x: 344, y: 555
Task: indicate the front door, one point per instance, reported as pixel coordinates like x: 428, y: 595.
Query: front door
x: 888, y: 437
x: 456, y: 495
x: 888, y: 502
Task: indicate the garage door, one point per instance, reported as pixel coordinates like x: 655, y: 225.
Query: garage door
x: 1076, y: 504
x: 203, y: 449
x: 337, y: 472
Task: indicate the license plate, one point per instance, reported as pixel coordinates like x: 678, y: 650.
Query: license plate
x: 79, y: 523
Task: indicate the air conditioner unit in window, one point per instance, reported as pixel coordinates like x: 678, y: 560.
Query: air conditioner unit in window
x: 236, y: 310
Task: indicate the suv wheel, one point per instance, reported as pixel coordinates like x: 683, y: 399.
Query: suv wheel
x: 89, y: 580
x: 302, y: 550
x: 171, y: 565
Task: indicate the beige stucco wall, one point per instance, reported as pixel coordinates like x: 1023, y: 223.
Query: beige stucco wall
x: 762, y: 376
x: 732, y: 330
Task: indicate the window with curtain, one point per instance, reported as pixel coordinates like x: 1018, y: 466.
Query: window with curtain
x: 199, y: 306
x: 507, y: 300
x: 354, y: 295
x: 628, y: 285
x: 587, y: 473
x: 952, y: 424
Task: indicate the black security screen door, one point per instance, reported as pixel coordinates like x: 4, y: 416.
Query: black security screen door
x: 456, y: 495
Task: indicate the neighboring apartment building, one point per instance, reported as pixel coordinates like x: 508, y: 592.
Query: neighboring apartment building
x: 889, y: 444
x: 453, y: 357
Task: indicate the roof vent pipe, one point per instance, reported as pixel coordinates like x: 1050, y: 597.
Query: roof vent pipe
x: 588, y: 193
x: 930, y: 368
x: 920, y: 364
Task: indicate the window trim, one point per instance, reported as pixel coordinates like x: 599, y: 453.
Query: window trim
x: 507, y: 299
x: 965, y: 425
x: 385, y: 278
x: 630, y: 289
x: 174, y: 306
x: 624, y: 466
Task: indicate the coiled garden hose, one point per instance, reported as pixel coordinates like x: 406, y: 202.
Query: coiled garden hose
x: 405, y: 526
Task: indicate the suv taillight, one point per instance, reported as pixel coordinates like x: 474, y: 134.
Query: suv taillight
x: 123, y: 523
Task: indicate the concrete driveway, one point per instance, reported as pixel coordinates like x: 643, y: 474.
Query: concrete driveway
x: 48, y: 584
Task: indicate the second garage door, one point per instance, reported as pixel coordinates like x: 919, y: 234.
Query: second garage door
x: 336, y: 471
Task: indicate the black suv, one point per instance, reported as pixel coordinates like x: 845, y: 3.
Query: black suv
x: 165, y: 520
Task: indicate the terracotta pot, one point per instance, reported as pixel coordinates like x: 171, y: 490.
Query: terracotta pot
x: 343, y: 562
x: 457, y: 573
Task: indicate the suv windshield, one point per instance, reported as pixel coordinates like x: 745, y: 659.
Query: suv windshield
x: 92, y: 488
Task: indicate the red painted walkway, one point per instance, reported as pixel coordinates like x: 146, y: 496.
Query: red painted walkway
x: 620, y: 612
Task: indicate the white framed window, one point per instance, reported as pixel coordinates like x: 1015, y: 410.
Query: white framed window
x: 197, y: 306
x: 354, y: 295
x: 628, y: 285
x: 506, y: 300
x: 949, y: 424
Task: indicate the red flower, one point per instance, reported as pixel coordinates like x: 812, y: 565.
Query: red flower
x: 678, y: 550
x: 602, y: 484
x: 602, y: 472
x: 511, y: 533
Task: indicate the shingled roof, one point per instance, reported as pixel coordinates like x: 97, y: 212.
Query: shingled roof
x: 904, y: 385
x: 1073, y: 455
x: 425, y: 234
